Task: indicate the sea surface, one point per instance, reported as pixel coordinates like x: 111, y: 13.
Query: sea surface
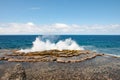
x: 107, y: 44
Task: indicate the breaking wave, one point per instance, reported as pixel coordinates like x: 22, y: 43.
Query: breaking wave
x: 41, y: 45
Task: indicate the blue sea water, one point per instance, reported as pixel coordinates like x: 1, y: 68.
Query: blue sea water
x: 108, y: 44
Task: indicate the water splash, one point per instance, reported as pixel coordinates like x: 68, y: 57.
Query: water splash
x: 40, y: 45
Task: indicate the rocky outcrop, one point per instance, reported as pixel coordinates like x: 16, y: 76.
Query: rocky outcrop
x: 18, y: 73
x: 51, y: 55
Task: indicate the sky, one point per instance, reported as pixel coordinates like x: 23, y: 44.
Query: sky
x: 80, y: 17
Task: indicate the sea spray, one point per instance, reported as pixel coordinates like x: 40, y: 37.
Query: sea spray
x: 41, y: 45
x: 51, y: 38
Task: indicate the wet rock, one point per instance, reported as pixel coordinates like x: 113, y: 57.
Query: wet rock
x: 18, y: 73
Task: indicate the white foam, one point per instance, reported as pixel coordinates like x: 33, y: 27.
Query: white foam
x: 40, y: 45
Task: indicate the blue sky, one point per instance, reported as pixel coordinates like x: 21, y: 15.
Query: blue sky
x: 87, y: 16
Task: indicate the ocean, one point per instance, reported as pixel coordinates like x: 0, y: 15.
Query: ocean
x: 107, y: 44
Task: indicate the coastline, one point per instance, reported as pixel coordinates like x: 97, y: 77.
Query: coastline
x: 104, y: 67
x: 99, y: 68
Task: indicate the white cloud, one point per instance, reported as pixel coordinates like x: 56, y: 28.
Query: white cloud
x: 60, y: 25
x: 58, y: 28
x: 30, y: 24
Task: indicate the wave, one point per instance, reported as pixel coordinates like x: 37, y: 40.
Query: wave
x: 109, y: 51
x: 41, y: 45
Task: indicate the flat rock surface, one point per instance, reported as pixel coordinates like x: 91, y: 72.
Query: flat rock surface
x: 98, y: 68
x: 83, y: 65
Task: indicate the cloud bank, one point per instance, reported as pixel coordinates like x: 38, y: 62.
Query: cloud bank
x: 58, y: 28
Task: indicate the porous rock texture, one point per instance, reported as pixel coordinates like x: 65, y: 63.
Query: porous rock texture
x: 18, y: 73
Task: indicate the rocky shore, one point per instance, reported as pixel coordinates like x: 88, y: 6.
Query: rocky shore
x: 67, y: 65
